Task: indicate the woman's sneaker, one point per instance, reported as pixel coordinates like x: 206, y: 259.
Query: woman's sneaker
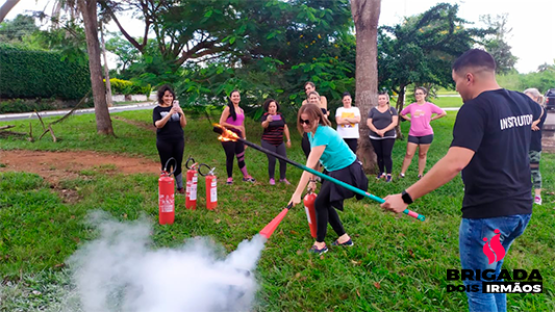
x: 249, y: 179
x: 229, y: 181
x: 285, y: 181
x: 347, y: 243
x: 401, y: 175
x: 388, y: 178
x: 272, y: 181
x: 537, y: 200
x: 317, y: 251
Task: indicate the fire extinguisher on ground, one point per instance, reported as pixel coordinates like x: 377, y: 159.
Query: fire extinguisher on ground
x: 211, y: 187
x: 166, y: 195
x: 308, y: 202
x: 191, y: 185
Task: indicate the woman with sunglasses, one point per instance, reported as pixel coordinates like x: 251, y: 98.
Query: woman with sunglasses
x: 421, y: 133
x: 329, y: 149
x: 313, y: 98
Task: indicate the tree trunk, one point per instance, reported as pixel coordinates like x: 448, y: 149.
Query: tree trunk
x: 399, y: 106
x: 6, y: 8
x: 106, y: 70
x: 366, y: 14
x: 103, y: 121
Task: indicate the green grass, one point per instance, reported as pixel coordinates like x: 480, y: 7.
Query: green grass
x: 397, y: 264
x: 447, y: 101
x: 443, y: 91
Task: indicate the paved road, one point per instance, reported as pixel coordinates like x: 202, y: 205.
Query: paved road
x: 114, y: 109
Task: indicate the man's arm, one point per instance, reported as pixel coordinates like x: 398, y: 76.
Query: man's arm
x: 442, y: 172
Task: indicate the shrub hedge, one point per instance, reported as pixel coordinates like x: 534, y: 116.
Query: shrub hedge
x: 28, y: 73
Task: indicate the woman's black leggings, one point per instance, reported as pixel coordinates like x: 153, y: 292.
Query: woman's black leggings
x: 326, y: 213
x: 353, y: 144
x: 383, y: 149
x: 231, y: 149
x: 280, y: 150
x: 168, y: 148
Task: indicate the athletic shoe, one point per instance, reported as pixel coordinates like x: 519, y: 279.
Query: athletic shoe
x: 379, y: 176
x: 388, y: 178
x: 272, y: 181
x: 419, y: 176
x: 249, y: 179
x: 401, y: 175
x: 317, y: 251
x: 347, y: 243
x: 285, y: 181
x: 182, y: 191
x: 538, y: 200
x: 229, y: 181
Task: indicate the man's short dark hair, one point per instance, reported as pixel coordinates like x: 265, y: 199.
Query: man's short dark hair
x: 475, y: 58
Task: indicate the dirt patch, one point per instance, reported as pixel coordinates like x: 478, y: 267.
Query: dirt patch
x: 140, y: 124
x: 56, y: 166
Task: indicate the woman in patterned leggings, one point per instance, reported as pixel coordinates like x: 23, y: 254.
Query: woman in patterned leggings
x: 536, y: 145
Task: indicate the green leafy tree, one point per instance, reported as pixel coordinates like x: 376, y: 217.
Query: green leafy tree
x: 496, y: 43
x: 125, y: 51
x: 14, y: 31
x: 422, y: 49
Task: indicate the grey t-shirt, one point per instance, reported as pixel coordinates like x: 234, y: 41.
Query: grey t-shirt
x: 381, y: 120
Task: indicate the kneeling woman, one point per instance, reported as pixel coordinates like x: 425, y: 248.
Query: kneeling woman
x: 327, y: 147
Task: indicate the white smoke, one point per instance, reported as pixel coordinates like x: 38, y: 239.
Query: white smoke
x: 121, y: 272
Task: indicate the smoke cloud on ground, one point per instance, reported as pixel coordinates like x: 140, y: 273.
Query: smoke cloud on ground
x: 120, y: 271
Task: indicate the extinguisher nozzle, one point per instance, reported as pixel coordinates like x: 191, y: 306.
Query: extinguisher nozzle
x: 269, y: 229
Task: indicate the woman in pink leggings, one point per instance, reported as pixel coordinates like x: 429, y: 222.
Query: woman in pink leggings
x: 233, y: 118
x: 421, y: 133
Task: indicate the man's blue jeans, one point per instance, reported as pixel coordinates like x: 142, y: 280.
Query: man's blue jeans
x: 471, y: 242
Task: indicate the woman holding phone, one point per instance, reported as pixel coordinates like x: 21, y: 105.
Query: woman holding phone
x: 169, y: 120
x: 275, y: 127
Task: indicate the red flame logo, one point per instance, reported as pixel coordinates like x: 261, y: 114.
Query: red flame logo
x: 493, y: 249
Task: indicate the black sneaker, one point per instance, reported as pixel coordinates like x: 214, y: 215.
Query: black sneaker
x: 317, y: 251
x: 347, y: 243
x: 249, y: 179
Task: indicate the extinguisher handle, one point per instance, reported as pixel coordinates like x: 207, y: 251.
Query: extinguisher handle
x: 187, y: 163
x: 174, y: 167
x: 204, y: 174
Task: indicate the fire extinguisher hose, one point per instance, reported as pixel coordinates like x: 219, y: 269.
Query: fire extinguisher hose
x: 166, y: 166
x: 189, y: 160
x: 207, y: 173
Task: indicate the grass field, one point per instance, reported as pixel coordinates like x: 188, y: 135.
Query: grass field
x: 397, y: 264
x: 447, y: 101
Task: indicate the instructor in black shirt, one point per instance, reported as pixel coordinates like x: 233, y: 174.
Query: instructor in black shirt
x: 490, y: 145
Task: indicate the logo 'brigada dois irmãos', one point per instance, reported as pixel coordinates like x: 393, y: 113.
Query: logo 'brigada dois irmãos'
x: 517, y: 281
x: 493, y: 249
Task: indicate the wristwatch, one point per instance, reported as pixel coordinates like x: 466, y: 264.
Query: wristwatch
x: 406, y: 197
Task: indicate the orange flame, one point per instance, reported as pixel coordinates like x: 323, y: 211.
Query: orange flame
x: 227, y: 135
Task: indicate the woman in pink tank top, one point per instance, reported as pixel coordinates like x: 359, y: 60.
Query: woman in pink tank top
x: 233, y: 118
x: 421, y: 133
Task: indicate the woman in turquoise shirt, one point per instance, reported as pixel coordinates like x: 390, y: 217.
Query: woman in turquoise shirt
x: 328, y: 148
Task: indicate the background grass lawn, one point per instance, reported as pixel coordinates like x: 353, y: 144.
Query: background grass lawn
x: 397, y: 264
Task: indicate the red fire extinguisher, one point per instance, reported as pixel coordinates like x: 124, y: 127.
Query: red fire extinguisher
x: 308, y: 202
x: 191, y: 188
x: 166, y: 195
x: 211, y: 187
